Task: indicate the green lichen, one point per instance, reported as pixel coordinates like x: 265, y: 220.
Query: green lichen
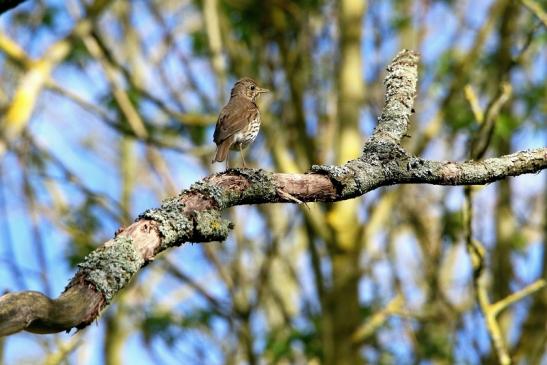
x: 110, y: 268
x: 382, y: 150
x: 211, y: 227
x: 174, y: 225
x: 209, y: 190
x: 261, y: 185
x: 177, y: 226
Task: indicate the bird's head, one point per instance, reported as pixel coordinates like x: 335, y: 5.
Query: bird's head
x: 248, y: 88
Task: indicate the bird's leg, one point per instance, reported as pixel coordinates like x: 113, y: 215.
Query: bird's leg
x: 242, y: 158
x: 227, y: 158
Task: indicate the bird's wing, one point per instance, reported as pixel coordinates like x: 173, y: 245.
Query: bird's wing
x: 234, y: 117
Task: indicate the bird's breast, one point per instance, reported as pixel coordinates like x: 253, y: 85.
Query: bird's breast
x: 245, y: 137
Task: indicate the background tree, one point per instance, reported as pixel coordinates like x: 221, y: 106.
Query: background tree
x: 108, y: 107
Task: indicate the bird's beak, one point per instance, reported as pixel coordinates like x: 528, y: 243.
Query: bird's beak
x: 262, y: 91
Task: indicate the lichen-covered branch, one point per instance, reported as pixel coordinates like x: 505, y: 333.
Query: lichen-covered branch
x: 400, y: 82
x: 195, y: 214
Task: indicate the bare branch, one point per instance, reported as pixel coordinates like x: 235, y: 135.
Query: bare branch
x: 535, y: 8
x: 515, y: 297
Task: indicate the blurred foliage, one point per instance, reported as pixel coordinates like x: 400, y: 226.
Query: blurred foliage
x: 159, y: 325
x: 304, y: 285
x: 83, y: 223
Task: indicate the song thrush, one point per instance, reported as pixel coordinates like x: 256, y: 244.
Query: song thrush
x: 239, y: 120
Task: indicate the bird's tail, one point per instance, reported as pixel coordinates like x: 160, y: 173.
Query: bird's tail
x: 222, y: 150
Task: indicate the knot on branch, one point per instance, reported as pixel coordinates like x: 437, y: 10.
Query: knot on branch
x: 418, y: 167
x: 109, y: 268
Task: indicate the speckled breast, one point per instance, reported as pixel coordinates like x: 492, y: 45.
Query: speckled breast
x: 245, y: 137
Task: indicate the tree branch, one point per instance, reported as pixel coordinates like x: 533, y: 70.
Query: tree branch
x: 195, y: 214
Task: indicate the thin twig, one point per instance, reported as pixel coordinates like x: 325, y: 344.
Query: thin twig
x: 535, y: 8
x: 394, y: 307
x: 476, y: 251
x: 515, y: 297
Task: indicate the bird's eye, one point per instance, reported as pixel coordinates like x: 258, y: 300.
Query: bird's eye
x: 252, y: 87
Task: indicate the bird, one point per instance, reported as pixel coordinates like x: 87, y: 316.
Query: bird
x: 239, y: 120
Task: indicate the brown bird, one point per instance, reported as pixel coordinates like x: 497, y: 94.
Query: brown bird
x: 239, y: 120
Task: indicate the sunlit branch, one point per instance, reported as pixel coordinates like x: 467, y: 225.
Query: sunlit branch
x: 475, y: 248
x: 535, y: 8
